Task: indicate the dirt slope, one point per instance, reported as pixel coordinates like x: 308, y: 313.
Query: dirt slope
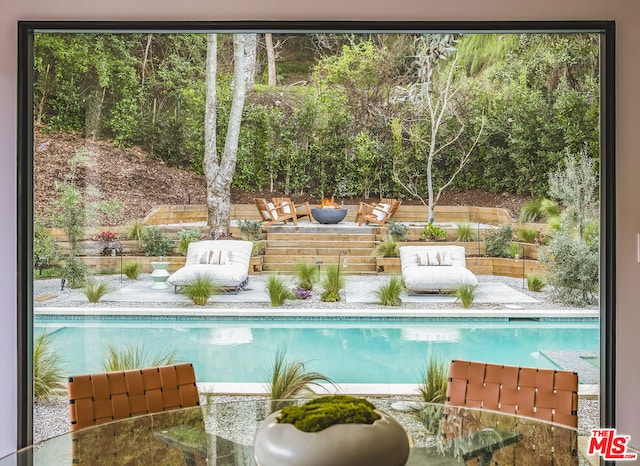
x: 141, y: 182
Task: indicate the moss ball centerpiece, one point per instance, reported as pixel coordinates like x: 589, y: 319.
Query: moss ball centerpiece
x: 336, y: 430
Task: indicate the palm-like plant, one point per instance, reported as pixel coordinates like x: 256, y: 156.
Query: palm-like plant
x: 389, y: 293
x: 94, y: 290
x: 48, y: 372
x: 135, y: 357
x: 306, y: 274
x: 290, y: 379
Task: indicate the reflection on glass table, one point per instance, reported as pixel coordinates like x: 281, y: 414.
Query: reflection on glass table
x: 222, y: 434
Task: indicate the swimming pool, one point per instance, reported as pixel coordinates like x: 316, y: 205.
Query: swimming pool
x: 355, y: 350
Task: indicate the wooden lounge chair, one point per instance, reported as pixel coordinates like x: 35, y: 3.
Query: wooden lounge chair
x: 379, y: 213
x: 301, y: 210
x: 271, y: 213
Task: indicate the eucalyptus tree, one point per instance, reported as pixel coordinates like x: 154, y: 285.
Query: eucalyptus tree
x: 437, y: 101
x: 219, y: 169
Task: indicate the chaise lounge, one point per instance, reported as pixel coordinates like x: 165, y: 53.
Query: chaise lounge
x: 225, y: 262
x: 435, y: 268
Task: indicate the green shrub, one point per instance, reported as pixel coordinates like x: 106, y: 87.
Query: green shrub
x: 250, y: 230
x: 387, y: 248
x: 398, y: 231
x: 290, y: 379
x: 466, y: 232
x: 132, y: 270
x: 185, y: 237
x: 433, y: 232
x: 573, y: 269
x: 528, y: 235
x: 94, y: 290
x: 465, y: 293
x: 75, y: 272
x: 323, y: 412
x: 332, y: 283
x: 154, y: 242
x: 496, y: 241
x: 278, y: 290
x: 48, y: 369
x: 535, y: 283
x: 306, y: 274
x: 389, y: 293
x: 45, y: 250
x: 134, y: 357
x: 200, y: 288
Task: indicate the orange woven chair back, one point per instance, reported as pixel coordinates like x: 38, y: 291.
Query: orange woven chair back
x: 546, y: 394
x: 99, y: 398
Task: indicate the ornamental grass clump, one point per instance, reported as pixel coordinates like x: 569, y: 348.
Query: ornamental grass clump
x: 535, y: 283
x: 306, y: 274
x: 387, y: 248
x: 132, y: 270
x: 465, y: 232
x: 200, y: 288
x: 389, y: 293
x: 465, y: 293
x: 290, y: 379
x: 433, y: 389
x: 326, y: 411
x: 332, y: 283
x: 94, y: 290
x: 130, y: 357
x: 278, y: 290
x: 48, y: 370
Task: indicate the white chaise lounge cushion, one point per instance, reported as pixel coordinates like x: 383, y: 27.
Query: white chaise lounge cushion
x: 449, y: 272
x: 226, y: 262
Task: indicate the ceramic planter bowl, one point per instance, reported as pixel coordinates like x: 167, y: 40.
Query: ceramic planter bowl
x: 383, y: 443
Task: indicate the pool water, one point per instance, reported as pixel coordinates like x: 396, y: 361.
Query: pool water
x: 352, y: 351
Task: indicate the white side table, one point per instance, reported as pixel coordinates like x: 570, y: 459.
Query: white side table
x: 160, y: 275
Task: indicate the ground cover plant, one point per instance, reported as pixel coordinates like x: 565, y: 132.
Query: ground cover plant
x: 154, y: 242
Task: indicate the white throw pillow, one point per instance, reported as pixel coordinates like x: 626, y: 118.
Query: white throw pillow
x: 214, y: 257
x: 286, y: 208
x: 273, y: 213
x: 434, y: 258
x: 380, y: 211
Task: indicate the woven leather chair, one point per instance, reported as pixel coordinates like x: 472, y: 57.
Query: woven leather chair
x: 544, y: 394
x: 99, y: 398
x: 547, y: 394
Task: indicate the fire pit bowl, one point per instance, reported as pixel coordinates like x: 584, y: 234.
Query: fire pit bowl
x: 328, y: 215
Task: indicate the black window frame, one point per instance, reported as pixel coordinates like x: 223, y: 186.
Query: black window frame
x: 26, y: 30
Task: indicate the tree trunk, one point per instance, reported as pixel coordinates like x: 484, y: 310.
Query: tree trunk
x: 250, y: 50
x: 219, y: 172
x: 93, y: 112
x: 271, y: 61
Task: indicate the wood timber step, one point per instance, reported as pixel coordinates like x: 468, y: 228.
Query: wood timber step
x: 311, y: 258
x: 320, y: 237
x: 317, y: 251
x: 288, y: 267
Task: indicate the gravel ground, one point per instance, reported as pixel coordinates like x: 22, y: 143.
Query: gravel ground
x: 75, y: 298
x: 51, y: 416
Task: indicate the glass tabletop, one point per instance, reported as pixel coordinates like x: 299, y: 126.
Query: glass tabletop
x: 222, y: 434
